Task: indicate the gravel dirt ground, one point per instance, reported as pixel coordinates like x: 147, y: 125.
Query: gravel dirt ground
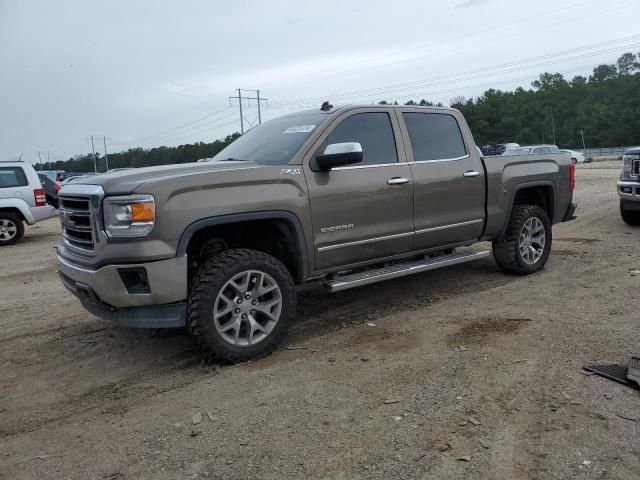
x: 460, y: 373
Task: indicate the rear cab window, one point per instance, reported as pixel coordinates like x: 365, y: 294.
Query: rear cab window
x: 11, y: 177
x: 434, y: 136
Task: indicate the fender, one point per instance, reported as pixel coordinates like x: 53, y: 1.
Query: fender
x: 244, y: 217
x: 19, y: 205
x: 521, y: 186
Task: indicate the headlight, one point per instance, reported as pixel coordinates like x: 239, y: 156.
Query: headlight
x: 627, y: 163
x: 129, y: 216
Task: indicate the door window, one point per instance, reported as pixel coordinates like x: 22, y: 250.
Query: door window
x: 434, y: 136
x: 373, y: 131
x: 12, y: 177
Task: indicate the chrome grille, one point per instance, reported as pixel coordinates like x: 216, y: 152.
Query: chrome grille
x: 77, y: 221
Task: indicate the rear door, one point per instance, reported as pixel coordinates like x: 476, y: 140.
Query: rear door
x: 449, y: 183
x: 364, y: 211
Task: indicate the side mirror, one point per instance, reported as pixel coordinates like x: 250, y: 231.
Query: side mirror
x: 340, y: 154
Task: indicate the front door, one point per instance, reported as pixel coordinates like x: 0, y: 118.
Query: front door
x: 365, y: 211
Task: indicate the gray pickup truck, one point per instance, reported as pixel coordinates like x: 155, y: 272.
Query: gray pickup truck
x: 629, y: 187
x: 348, y: 196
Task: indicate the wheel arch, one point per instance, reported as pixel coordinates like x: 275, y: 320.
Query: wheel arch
x: 541, y: 193
x: 281, y: 231
x: 15, y: 211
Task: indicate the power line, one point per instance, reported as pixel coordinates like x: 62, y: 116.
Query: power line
x: 398, y: 52
x: 184, y: 132
x: 183, y: 126
x: 190, y: 132
x: 501, y: 37
x: 484, y: 85
x: 207, y: 130
x: 465, y: 75
x: 479, y: 70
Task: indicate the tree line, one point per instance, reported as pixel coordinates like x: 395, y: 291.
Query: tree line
x: 141, y: 157
x: 603, y: 108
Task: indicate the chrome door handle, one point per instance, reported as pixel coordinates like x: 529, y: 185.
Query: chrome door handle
x: 397, y: 181
x: 471, y: 173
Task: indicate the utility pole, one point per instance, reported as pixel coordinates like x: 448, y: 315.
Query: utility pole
x: 240, y: 98
x: 553, y: 126
x: 40, y: 160
x: 584, y: 148
x: 93, y: 149
x: 106, y: 158
x: 259, y: 116
x: 48, y: 162
x: 240, y: 105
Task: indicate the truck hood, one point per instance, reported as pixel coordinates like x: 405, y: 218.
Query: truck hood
x: 122, y: 182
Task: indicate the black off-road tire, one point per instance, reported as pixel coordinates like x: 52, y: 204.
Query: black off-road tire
x: 17, y: 221
x: 630, y: 217
x: 210, y: 277
x: 506, y: 249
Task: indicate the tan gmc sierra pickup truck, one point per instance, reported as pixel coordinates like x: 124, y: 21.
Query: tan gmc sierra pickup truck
x: 348, y: 196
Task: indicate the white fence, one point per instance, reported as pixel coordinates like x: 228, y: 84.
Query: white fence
x: 603, y: 152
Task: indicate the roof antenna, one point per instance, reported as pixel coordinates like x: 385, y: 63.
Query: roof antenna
x: 326, y: 106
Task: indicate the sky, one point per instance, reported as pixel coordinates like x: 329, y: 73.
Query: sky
x: 148, y: 73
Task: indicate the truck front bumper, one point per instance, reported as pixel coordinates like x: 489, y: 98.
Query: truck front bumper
x: 146, y: 295
x: 629, y: 191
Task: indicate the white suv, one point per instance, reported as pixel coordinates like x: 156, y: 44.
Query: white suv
x: 22, y: 199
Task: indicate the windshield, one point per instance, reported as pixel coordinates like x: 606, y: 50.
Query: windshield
x: 274, y: 142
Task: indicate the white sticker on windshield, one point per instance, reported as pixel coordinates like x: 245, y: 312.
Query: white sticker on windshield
x: 300, y: 129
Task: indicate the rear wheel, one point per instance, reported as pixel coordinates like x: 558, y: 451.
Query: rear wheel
x: 525, y: 246
x: 240, y: 303
x: 11, y: 228
x: 630, y: 217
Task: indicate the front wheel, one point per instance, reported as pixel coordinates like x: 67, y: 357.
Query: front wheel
x: 630, y: 217
x: 240, y: 303
x: 525, y: 246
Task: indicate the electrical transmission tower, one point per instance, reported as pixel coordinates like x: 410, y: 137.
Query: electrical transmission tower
x: 93, y: 150
x: 240, y: 98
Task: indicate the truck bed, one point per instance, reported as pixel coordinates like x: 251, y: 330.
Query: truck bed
x: 506, y: 174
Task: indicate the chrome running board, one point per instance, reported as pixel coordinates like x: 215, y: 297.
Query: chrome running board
x: 352, y: 280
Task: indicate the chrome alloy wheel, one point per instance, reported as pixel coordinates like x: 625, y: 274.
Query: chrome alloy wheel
x: 532, y: 240
x: 247, y: 308
x: 8, y: 229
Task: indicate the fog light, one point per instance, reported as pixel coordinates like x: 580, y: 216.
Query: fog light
x: 135, y: 280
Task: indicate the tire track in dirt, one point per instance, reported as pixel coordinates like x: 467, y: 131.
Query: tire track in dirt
x: 113, y: 398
